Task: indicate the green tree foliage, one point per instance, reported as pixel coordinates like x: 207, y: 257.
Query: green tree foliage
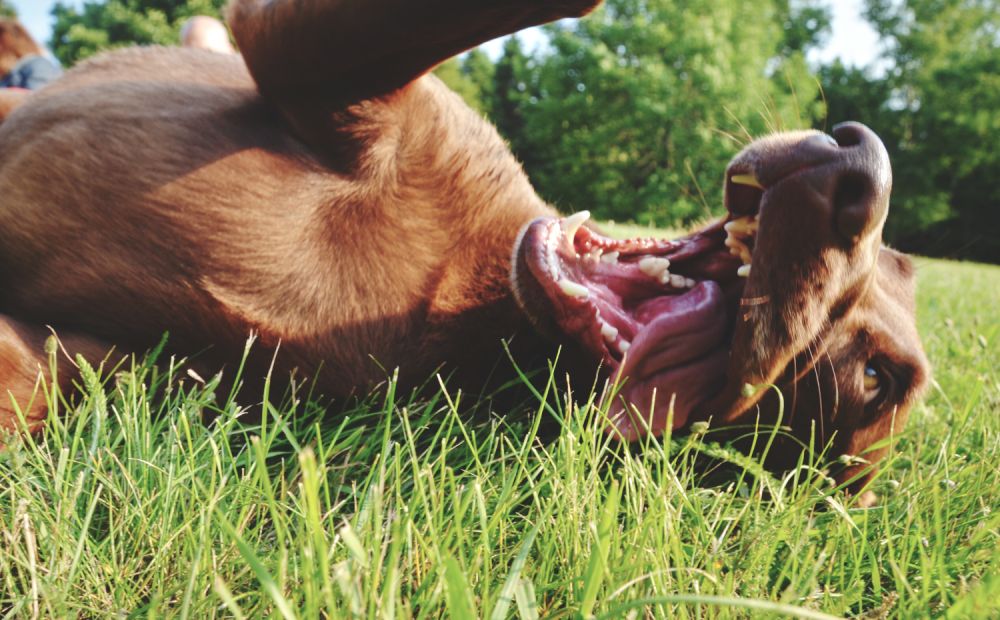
x: 634, y: 112
x: 7, y: 10
x: 514, y: 90
x: 470, y: 76
x: 936, y: 108
x: 99, y: 25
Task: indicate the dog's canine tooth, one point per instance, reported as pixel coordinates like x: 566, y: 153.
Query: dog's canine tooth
x: 653, y: 266
x: 609, y: 332
x: 611, y: 258
x: 743, y: 271
x: 746, y: 179
x: 572, y: 289
x: 572, y: 223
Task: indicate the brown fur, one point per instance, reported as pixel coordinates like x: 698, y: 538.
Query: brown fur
x: 328, y: 197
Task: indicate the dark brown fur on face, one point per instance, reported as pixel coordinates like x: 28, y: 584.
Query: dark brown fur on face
x: 328, y: 196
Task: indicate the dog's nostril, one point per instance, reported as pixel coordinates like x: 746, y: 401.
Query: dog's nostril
x: 852, y: 202
x: 848, y: 134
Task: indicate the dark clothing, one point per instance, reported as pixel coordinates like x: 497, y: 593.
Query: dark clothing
x: 31, y: 72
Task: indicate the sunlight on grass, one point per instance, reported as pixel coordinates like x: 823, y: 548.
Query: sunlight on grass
x: 402, y: 507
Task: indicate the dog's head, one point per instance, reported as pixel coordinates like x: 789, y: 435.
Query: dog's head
x: 792, y: 289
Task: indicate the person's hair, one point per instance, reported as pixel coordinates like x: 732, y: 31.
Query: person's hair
x: 15, y: 43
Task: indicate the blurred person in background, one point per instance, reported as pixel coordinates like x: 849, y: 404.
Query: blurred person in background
x: 22, y: 61
x: 206, y: 33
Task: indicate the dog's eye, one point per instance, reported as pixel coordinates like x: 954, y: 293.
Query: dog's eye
x: 872, y: 382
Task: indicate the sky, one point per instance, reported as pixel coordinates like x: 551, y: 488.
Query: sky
x: 853, y: 40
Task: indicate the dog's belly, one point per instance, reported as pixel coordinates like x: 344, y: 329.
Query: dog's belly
x: 131, y: 205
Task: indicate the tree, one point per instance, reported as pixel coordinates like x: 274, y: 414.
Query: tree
x: 106, y: 24
x: 514, y: 91
x: 470, y: 76
x: 936, y: 109
x: 7, y: 10
x: 634, y: 112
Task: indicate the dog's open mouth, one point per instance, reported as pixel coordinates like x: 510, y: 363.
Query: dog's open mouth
x: 658, y: 314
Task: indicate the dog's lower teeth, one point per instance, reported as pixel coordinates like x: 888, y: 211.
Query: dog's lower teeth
x: 653, y: 266
x: 743, y: 271
x: 572, y: 289
x: 611, y: 258
x: 624, y: 346
x: 677, y: 281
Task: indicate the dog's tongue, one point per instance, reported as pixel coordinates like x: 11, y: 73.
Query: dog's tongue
x: 679, y: 355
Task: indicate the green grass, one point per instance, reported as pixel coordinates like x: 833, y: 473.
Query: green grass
x: 130, y: 506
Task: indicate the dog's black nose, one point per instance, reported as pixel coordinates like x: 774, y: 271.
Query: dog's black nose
x: 863, y: 180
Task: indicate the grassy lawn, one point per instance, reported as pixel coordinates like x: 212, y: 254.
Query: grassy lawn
x: 130, y: 506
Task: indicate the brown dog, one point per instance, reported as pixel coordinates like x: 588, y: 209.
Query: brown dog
x: 330, y: 197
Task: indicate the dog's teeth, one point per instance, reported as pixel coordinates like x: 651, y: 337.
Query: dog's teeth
x: 624, y: 346
x: 610, y: 332
x: 742, y: 227
x: 611, y: 258
x: 665, y: 277
x: 746, y: 179
x: 573, y: 223
x: 743, y: 271
x: 677, y: 281
x: 572, y: 289
x: 689, y: 283
x: 653, y: 266
x: 745, y: 255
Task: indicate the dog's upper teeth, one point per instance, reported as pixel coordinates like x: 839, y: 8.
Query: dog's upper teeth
x: 738, y: 248
x: 611, y: 258
x: 746, y: 179
x: 653, y: 266
x: 573, y: 223
x: 677, y: 281
x: 743, y: 271
x: 609, y: 332
x: 742, y: 227
x: 572, y: 289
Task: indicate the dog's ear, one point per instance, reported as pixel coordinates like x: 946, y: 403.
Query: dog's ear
x: 343, y: 51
